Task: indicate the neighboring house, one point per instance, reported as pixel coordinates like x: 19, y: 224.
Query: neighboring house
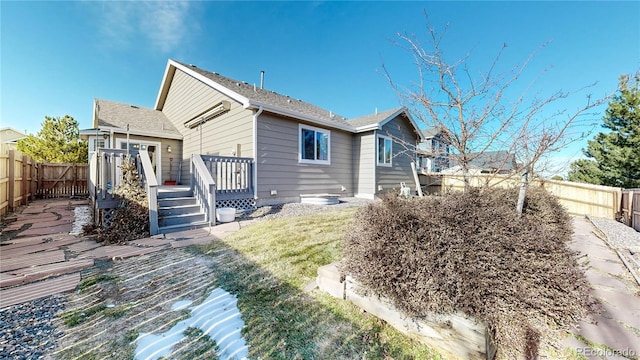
x: 295, y: 148
x: 9, y: 139
x: 489, y: 162
x: 433, y: 151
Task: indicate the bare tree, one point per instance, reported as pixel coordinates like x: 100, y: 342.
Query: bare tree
x: 478, y: 113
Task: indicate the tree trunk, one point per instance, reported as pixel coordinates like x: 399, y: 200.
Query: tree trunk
x: 465, y: 178
x: 523, y: 192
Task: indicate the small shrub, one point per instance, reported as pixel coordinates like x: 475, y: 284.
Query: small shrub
x: 130, y: 221
x: 470, y: 252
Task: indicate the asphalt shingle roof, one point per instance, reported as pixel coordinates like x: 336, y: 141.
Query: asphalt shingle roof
x: 118, y: 115
x: 372, y: 119
x: 255, y: 93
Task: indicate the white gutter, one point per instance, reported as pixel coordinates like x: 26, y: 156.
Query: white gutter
x: 255, y: 151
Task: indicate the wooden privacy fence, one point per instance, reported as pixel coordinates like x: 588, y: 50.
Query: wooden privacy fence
x: 577, y: 198
x: 17, y: 180
x: 630, y: 208
x: 62, y: 180
x: 22, y: 179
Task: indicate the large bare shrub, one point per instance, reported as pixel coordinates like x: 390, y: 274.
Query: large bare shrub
x: 470, y: 252
x: 130, y: 221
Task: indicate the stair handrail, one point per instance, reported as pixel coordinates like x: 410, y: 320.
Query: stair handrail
x: 203, y: 188
x: 152, y: 190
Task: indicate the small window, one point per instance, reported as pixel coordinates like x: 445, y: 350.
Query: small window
x: 385, y: 150
x: 314, y: 145
x: 98, y: 143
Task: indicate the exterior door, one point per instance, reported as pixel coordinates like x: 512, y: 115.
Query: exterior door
x: 152, y: 148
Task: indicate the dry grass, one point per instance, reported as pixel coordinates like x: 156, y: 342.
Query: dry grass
x: 266, y: 265
x: 275, y: 261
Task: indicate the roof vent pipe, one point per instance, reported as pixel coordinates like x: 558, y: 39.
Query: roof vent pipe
x: 261, y: 79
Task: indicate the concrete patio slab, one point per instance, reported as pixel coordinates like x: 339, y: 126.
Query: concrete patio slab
x: 31, y: 240
x: 10, y: 251
x: 32, y: 291
x: 28, y: 260
x: 48, y: 230
x: 35, y: 273
x: 82, y: 246
x: 117, y: 252
x: 617, y: 327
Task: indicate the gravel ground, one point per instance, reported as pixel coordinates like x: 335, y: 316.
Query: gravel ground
x: 622, y: 238
x: 298, y: 209
x: 27, y: 331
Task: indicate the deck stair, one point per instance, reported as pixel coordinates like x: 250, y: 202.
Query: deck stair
x: 178, y: 210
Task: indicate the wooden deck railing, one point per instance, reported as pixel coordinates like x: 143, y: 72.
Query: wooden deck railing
x: 108, y: 175
x: 203, y: 187
x: 233, y: 176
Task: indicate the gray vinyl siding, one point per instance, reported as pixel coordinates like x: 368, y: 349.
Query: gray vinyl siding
x: 188, y: 97
x: 364, y: 160
x: 165, y: 157
x: 279, y: 169
x: 404, y: 140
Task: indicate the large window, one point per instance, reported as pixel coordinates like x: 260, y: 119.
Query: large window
x: 314, y: 145
x: 385, y: 150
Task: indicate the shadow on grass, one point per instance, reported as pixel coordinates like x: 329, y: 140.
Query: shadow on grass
x: 284, y: 322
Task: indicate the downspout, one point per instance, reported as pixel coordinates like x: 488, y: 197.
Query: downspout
x: 255, y: 152
x: 375, y: 163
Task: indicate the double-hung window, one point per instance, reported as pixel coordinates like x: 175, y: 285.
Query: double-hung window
x: 314, y: 145
x: 385, y: 150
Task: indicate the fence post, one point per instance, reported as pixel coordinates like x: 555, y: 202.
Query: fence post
x: 34, y: 179
x: 25, y: 181
x: 630, y: 207
x: 12, y: 179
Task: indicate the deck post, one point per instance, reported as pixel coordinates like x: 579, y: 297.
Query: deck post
x: 152, y: 191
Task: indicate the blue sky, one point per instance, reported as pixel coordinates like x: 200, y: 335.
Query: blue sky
x: 56, y: 56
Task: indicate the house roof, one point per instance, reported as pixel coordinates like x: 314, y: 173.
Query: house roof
x: 494, y: 160
x: 501, y: 160
x: 142, y: 121
x: 9, y: 134
x: 253, y: 97
x: 429, y: 133
x: 375, y: 119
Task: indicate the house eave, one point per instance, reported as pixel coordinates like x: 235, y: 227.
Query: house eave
x: 254, y: 105
x: 168, y: 77
x: 368, y: 128
x: 380, y: 124
x: 102, y: 130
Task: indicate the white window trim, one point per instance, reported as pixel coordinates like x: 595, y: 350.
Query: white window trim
x: 390, y: 164
x: 315, y: 129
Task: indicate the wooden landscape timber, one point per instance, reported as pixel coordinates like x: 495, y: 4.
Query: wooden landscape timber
x: 454, y: 335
